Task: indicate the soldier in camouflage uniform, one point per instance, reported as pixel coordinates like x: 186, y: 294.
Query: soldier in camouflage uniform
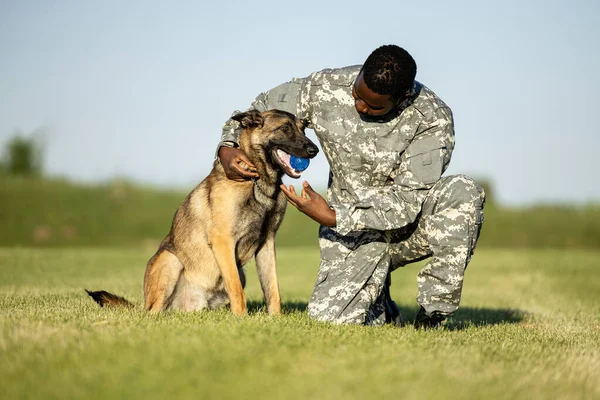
x: 388, y: 140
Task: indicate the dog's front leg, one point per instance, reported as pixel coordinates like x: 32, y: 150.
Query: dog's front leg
x: 224, y: 251
x: 266, y: 266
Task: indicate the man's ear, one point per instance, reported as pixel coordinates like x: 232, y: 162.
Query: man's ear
x: 249, y: 119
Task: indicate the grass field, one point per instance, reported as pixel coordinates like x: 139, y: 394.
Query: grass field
x: 528, y: 328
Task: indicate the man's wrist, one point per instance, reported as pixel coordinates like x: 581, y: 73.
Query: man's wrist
x: 325, y: 219
x: 332, y: 218
x: 225, y: 143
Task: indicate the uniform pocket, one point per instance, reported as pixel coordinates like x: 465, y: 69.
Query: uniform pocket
x: 425, y: 159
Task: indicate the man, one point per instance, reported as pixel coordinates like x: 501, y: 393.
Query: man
x: 388, y: 139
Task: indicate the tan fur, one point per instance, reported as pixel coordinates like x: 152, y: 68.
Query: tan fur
x: 222, y: 224
x: 161, y: 276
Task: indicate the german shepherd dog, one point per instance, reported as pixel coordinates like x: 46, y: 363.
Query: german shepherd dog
x: 222, y: 224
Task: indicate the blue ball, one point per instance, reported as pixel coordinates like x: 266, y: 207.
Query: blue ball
x: 299, y: 163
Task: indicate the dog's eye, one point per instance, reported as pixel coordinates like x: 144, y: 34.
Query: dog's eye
x: 285, y: 128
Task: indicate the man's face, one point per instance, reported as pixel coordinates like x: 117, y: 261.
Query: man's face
x: 369, y: 103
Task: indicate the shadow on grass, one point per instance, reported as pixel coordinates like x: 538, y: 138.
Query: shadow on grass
x: 286, y: 307
x: 465, y: 316
x: 476, y: 317
x: 470, y: 317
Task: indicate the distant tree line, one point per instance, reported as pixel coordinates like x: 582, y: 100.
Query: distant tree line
x: 23, y: 155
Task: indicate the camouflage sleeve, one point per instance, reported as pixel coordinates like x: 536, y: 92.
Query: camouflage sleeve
x: 392, y: 207
x: 291, y: 96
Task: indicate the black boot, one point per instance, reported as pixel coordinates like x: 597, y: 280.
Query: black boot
x: 422, y: 321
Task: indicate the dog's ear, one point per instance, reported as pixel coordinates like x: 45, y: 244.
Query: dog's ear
x: 304, y: 124
x: 249, y: 119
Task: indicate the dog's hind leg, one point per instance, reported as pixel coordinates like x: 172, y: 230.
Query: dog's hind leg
x: 266, y: 265
x: 224, y: 251
x: 160, y: 279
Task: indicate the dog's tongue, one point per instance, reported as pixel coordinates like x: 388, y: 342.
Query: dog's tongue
x: 284, y: 157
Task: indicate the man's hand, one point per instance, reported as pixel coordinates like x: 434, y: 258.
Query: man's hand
x: 310, y: 203
x: 236, y: 165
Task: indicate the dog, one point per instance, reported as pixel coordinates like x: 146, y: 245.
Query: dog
x: 223, y: 223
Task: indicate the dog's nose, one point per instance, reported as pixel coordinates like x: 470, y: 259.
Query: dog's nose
x: 312, y: 151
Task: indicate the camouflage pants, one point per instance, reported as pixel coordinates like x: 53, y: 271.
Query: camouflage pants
x: 354, y: 267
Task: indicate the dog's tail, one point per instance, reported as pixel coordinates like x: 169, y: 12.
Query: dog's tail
x: 108, y: 299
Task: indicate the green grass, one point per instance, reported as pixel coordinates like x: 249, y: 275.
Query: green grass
x: 528, y: 328
x: 51, y: 212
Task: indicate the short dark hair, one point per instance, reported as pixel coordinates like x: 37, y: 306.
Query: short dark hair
x: 390, y: 70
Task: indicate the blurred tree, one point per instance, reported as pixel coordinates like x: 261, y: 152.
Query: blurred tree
x: 23, y: 156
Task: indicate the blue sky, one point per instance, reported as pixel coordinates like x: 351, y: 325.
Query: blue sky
x: 140, y: 89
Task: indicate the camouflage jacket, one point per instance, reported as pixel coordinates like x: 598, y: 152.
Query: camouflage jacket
x: 380, y: 170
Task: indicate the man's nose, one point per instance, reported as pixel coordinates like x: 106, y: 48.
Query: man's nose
x: 360, y: 106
